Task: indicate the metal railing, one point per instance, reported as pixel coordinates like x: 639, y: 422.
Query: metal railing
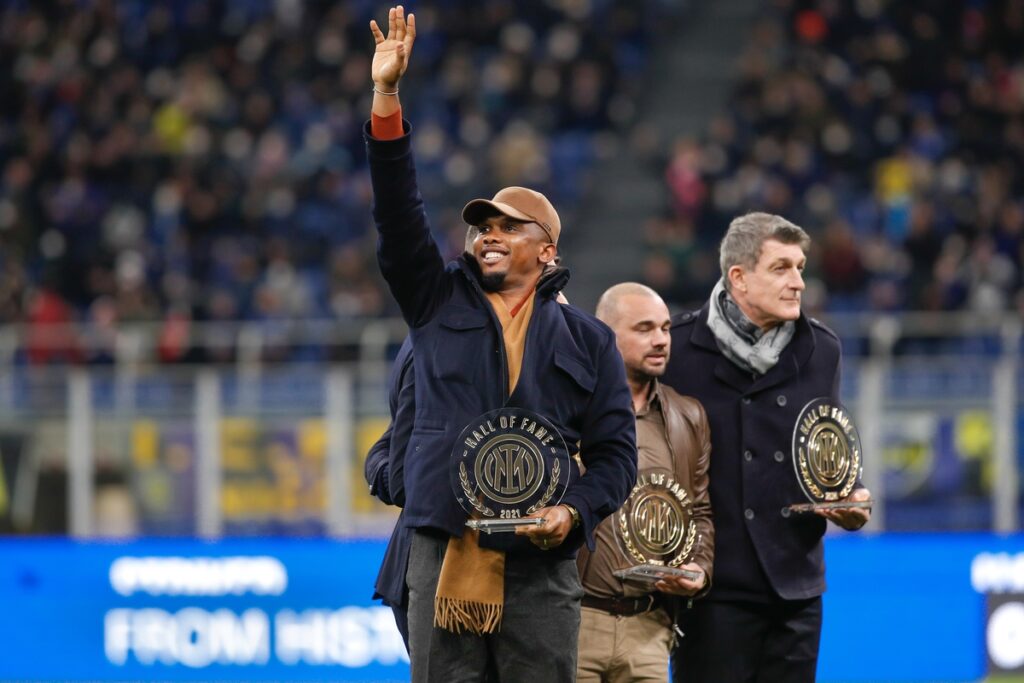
x: 937, y: 400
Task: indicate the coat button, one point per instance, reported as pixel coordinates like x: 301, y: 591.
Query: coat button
x: 779, y: 456
x: 748, y: 456
x: 786, y: 512
x: 746, y: 400
x: 748, y: 513
x: 781, y: 400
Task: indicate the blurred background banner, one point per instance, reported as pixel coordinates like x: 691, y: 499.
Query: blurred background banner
x: 918, y: 607
x: 900, y: 607
x: 269, y: 610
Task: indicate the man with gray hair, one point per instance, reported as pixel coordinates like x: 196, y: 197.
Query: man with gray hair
x: 753, y: 359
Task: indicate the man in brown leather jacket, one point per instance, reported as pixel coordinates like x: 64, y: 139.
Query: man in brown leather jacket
x: 626, y: 629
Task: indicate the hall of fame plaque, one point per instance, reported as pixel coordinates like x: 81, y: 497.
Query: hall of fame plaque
x: 656, y: 530
x: 506, y: 465
x: 826, y: 457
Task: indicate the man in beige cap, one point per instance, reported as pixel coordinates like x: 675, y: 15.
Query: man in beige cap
x: 488, y: 333
x: 527, y: 212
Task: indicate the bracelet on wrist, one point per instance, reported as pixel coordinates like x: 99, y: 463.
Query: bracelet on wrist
x: 385, y: 92
x: 574, y: 513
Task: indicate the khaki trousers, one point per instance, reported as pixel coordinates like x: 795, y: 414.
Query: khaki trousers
x: 623, y: 649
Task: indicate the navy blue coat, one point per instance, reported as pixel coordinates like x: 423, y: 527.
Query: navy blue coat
x: 383, y: 470
x: 385, y: 463
x: 761, y: 551
x: 572, y: 372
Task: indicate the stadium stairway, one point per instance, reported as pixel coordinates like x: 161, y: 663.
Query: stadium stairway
x: 690, y: 81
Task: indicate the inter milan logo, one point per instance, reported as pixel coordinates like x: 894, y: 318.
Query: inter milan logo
x: 658, y: 522
x: 655, y: 525
x: 829, y: 454
x: 508, y: 464
x: 826, y: 449
x: 509, y: 469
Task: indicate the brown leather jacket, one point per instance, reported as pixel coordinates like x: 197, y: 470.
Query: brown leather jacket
x: 689, y: 439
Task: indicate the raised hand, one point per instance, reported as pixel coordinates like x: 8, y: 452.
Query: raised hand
x: 391, y: 56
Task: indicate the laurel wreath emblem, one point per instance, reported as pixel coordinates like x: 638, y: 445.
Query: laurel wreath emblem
x: 628, y: 540
x: 464, y: 480
x: 805, y: 473
x: 686, y: 552
x: 549, y: 491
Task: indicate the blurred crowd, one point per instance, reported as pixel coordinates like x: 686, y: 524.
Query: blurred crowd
x: 892, y: 131
x: 185, y: 161
x: 197, y: 161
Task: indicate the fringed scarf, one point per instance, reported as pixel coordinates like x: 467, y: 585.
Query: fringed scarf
x: 471, y: 587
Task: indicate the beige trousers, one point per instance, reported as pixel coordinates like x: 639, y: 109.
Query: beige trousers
x: 623, y: 649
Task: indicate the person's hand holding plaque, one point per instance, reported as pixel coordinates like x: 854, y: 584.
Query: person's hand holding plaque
x: 683, y: 585
x: 551, y: 533
x: 850, y: 518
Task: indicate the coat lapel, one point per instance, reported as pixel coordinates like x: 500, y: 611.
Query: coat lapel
x: 793, y: 357
x: 725, y: 370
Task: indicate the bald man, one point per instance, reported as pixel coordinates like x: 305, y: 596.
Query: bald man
x: 626, y: 628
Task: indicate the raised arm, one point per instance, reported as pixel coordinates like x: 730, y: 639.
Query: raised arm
x: 409, y: 258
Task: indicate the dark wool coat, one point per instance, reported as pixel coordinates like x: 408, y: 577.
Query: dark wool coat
x: 761, y: 550
x: 572, y: 372
x: 384, y: 469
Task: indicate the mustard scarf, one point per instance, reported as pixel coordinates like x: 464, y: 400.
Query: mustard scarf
x: 471, y: 586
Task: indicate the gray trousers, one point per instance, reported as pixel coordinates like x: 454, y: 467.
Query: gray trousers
x: 539, y: 628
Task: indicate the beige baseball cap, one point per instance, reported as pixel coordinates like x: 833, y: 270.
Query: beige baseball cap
x: 519, y: 203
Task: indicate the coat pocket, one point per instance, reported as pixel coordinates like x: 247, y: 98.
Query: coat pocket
x: 460, y: 343
x: 581, y: 374
x: 426, y: 471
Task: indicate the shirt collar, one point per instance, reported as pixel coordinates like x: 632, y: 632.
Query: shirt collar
x: 653, y: 400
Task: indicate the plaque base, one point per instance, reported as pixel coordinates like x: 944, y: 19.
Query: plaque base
x: 837, y: 505
x: 652, y: 573
x: 493, y: 526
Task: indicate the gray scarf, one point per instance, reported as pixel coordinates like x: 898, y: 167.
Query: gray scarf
x: 743, y: 342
